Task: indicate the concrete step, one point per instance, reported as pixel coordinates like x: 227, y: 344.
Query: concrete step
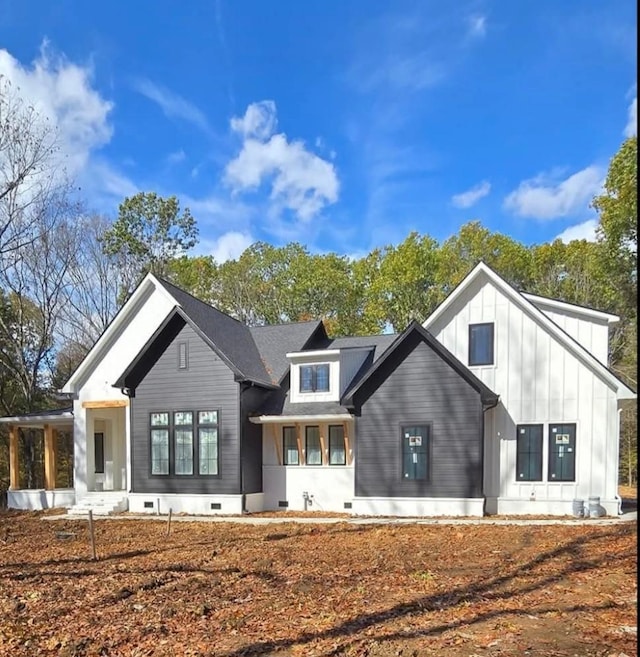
x: 99, y: 505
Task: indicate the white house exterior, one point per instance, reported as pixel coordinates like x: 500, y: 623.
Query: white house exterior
x: 549, y: 370
x: 501, y: 403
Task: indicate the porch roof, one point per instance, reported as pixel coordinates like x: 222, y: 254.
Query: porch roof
x: 59, y: 416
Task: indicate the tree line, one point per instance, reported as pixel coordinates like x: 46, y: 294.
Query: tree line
x: 65, y: 271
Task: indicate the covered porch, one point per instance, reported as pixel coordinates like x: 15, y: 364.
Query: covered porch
x: 308, y: 462
x: 41, y: 459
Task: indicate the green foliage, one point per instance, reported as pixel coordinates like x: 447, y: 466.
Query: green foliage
x: 150, y: 232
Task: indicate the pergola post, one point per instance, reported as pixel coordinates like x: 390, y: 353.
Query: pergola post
x: 14, y: 465
x: 49, y: 457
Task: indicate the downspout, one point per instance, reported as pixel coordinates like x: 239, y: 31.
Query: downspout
x: 617, y: 464
x: 485, y: 408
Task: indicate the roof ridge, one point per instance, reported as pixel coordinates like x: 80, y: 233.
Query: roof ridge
x: 195, y: 298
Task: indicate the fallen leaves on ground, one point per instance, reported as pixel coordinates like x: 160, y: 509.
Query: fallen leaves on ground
x: 229, y: 589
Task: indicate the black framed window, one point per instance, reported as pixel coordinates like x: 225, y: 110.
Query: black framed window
x: 529, y: 452
x: 337, y: 450
x: 208, y: 442
x: 313, y: 448
x: 183, y: 442
x: 160, y: 443
x: 562, y: 452
x: 290, y: 444
x: 314, y: 378
x: 415, y: 452
x: 98, y: 442
x: 481, y: 344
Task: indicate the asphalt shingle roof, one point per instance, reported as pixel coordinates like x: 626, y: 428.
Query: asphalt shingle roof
x: 231, y: 337
x: 275, y: 341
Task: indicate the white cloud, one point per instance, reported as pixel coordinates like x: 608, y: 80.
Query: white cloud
x: 631, y: 129
x: 259, y: 120
x: 230, y: 246
x: 300, y: 180
x: 173, y: 105
x: 62, y: 91
x: 472, y: 195
x: 545, y: 198
x: 176, y: 157
x: 584, y: 231
x: 477, y: 26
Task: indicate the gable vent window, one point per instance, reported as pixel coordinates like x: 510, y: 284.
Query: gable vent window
x: 481, y: 344
x: 314, y: 378
x: 183, y: 356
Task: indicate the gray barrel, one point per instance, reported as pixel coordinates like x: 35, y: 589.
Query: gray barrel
x: 595, y: 510
x: 578, y: 508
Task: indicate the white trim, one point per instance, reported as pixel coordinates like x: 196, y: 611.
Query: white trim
x: 36, y: 421
x: 287, y: 419
x: 571, y: 307
x: 418, y: 506
x: 148, y: 285
x: 622, y: 391
x: 316, y: 353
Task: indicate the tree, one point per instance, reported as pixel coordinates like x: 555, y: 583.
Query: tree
x: 149, y: 232
x: 30, y: 169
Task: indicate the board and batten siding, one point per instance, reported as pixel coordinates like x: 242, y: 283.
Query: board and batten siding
x: 539, y: 382
x: 207, y: 384
x: 419, y: 388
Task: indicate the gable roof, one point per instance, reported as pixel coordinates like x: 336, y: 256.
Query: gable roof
x: 529, y: 307
x: 138, y: 297
x: 488, y: 397
x: 229, y: 337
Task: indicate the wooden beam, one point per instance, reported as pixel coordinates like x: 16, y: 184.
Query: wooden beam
x: 323, y: 444
x: 347, y: 446
x: 106, y: 403
x: 301, y: 455
x: 276, y: 442
x: 49, y: 457
x: 14, y: 464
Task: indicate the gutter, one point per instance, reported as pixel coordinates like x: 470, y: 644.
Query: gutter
x: 617, y: 466
x: 280, y: 419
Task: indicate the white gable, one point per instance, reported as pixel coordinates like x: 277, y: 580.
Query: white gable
x: 132, y: 327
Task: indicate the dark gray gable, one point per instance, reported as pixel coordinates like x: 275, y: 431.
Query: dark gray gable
x: 398, y: 349
x: 232, y: 339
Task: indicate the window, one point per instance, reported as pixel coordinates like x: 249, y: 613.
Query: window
x: 313, y: 449
x: 183, y: 356
x: 208, y: 442
x: 183, y: 436
x: 290, y: 440
x: 159, y: 443
x: 173, y: 448
x: 415, y: 441
x: 562, y: 452
x: 337, y: 451
x: 481, y: 344
x: 98, y: 441
x: 529, y: 452
x: 314, y: 378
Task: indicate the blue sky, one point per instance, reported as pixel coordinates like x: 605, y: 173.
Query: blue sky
x: 342, y: 125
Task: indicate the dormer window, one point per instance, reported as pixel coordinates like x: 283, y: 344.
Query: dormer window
x: 314, y: 378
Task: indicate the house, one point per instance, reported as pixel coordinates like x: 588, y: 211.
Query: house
x: 500, y: 403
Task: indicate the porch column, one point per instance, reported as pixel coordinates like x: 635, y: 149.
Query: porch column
x: 14, y: 465
x: 49, y: 457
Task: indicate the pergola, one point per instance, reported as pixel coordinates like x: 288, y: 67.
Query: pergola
x: 50, y: 422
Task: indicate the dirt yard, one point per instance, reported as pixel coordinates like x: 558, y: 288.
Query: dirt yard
x: 286, y: 589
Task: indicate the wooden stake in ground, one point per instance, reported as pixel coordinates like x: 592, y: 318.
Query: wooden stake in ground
x: 92, y: 536
x: 169, y: 522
